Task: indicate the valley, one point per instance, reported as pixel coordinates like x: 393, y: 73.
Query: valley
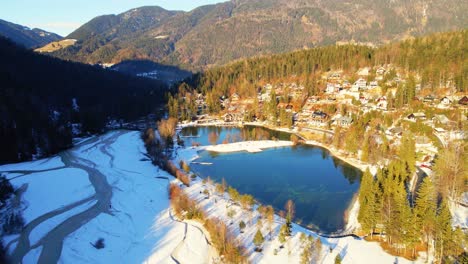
x: 241, y: 131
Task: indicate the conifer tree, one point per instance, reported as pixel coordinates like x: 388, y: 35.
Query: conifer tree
x: 258, y: 239
x: 443, y: 231
x: 367, y: 216
x: 425, y: 209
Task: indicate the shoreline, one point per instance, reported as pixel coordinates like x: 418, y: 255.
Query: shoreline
x: 352, y: 211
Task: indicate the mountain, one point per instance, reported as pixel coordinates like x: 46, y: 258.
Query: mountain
x: 44, y: 100
x: 29, y: 38
x: 217, y: 34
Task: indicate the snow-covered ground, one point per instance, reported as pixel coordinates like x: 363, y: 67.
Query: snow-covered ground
x: 459, y: 212
x: 64, y: 191
x: 50, y: 190
x: 351, y: 249
x: 248, y: 146
x: 137, y: 225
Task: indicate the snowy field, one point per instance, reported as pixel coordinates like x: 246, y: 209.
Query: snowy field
x: 65, y: 198
x: 106, y: 188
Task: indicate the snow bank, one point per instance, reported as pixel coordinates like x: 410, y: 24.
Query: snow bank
x: 51, y: 190
x: 249, y: 146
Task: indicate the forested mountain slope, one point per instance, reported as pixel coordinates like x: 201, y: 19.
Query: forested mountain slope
x: 217, y: 34
x: 41, y: 97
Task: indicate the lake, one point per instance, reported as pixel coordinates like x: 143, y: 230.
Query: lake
x: 321, y: 186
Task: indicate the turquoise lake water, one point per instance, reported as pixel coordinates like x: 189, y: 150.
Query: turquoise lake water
x: 321, y: 186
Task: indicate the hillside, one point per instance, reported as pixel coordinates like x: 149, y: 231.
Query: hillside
x: 44, y: 101
x: 29, y: 38
x: 217, y: 34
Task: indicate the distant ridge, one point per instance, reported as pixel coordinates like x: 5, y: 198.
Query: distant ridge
x: 29, y: 38
x: 217, y: 34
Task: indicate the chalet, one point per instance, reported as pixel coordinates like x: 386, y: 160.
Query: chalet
x: 360, y: 84
x: 445, y: 101
x: 417, y: 116
x: 319, y: 115
x: 345, y: 121
x: 395, y: 132
x: 441, y: 119
x: 363, y: 100
x: 363, y: 72
x: 382, y: 103
x: 380, y: 71
x: 373, y: 84
x: 428, y: 99
x: 319, y: 118
x: 464, y: 100
x: 228, y: 117
x: 334, y: 76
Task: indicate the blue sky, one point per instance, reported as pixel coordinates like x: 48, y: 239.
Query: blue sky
x: 64, y: 16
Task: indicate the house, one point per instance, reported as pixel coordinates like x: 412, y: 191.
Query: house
x: 373, y: 84
x: 363, y: 100
x: 395, y: 132
x: 360, y: 84
x: 441, y: 119
x: 463, y: 101
x: 228, y: 117
x: 382, y: 103
x: 380, y: 71
x: 363, y: 72
x: 345, y: 121
x: 417, y: 116
x: 319, y: 115
x: 428, y: 99
x: 445, y: 101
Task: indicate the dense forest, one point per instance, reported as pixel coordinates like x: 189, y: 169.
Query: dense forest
x: 42, y: 97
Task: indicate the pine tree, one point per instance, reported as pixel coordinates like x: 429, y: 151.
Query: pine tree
x: 407, y: 154
x: 425, y: 209
x: 258, y: 239
x: 367, y: 208
x: 338, y: 259
x: 443, y: 230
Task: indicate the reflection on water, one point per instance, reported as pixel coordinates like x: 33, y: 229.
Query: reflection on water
x: 217, y: 135
x: 321, y: 186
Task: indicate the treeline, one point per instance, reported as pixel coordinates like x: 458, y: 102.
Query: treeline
x: 388, y: 205
x: 41, y: 97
